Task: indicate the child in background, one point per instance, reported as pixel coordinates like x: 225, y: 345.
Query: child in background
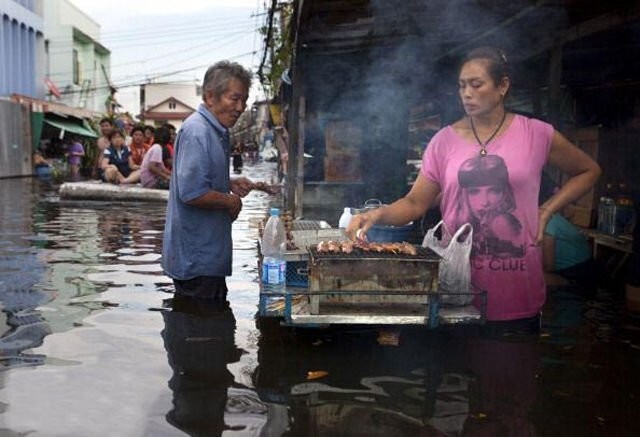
x: 74, y: 152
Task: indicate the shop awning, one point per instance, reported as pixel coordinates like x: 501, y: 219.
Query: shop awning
x: 69, y: 126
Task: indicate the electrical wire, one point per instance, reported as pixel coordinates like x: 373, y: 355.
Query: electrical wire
x: 166, y: 55
x: 202, y: 53
x: 149, y: 79
x: 155, y: 33
x: 58, y: 49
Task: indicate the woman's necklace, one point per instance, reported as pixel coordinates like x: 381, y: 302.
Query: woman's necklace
x: 483, y: 146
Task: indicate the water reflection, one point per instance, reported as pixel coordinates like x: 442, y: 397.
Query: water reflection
x: 89, y: 273
x: 22, y: 272
x: 449, y: 382
x: 199, y: 339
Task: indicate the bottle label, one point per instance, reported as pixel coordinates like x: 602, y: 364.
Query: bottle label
x: 274, y: 273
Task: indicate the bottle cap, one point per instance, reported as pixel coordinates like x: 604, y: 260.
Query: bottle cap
x: 274, y: 211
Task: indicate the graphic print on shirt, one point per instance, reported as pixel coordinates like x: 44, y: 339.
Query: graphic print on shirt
x: 488, y: 203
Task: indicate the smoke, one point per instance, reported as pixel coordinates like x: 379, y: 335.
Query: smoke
x: 395, y: 55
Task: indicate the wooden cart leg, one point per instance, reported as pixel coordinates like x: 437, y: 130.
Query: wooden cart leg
x: 314, y: 304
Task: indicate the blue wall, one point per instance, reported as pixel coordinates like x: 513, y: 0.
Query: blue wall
x: 20, y: 33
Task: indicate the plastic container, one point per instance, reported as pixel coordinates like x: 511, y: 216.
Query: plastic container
x: 390, y: 234
x: 273, y: 247
x: 370, y: 204
x: 345, y: 218
x: 606, y: 215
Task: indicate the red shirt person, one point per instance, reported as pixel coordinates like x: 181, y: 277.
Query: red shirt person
x: 138, y: 147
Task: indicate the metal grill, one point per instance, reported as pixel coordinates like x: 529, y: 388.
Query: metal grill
x: 308, y: 225
x: 424, y: 254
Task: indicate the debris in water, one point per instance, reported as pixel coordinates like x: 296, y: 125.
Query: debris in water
x: 389, y: 338
x: 316, y: 374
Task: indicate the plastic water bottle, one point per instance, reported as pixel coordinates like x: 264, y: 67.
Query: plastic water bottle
x: 274, y: 245
x: 345, y: 218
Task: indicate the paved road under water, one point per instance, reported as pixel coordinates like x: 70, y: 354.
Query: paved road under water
x: 92, y: 344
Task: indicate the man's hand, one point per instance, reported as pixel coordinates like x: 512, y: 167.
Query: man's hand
x: 269, y: 189
x: 234, y: 207
x: 241, y: 186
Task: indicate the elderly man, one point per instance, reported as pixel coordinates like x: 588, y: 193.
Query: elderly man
x: 203, y: 199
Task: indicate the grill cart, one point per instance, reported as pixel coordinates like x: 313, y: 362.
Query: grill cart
x: 362, y: 288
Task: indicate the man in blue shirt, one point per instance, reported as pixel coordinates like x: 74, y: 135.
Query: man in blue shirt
x: 203, y: 199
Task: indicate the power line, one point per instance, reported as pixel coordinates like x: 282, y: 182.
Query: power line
x: 166, y: 55
x: 201, y: 53
x: 149, y: 79
x: 191, y: 28
x: 272, y: 11
x: 164, y: 39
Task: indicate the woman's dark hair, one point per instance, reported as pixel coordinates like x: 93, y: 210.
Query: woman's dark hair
x: 163, y: 137
x: 151, y: 128
x: 118, y: 132
x: 498, y: 64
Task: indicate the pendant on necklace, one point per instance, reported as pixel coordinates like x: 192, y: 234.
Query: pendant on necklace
x: 483, y: 146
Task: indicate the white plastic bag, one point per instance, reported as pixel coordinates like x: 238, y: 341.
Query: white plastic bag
x: 454, y: 274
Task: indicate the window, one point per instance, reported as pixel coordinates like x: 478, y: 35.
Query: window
x: 172, y: 105
x: 76, y: 67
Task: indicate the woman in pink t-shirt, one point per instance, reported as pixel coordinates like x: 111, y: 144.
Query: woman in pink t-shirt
x: 153, y: 171
x: 487, y: 168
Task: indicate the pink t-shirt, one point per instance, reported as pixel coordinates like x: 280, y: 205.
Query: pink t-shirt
x: 498, y: 195
x: 154, y: 154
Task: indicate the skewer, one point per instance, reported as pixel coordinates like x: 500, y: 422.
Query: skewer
x: 348, y: 246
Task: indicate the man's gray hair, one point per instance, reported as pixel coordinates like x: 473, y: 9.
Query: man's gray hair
x: 217, y: 77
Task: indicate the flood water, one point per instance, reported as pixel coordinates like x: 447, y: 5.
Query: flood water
x: 92, y: 344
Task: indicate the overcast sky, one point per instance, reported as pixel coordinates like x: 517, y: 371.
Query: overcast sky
x: 171, y: 41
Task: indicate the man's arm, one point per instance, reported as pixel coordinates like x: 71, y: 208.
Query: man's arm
x: 217, y: 200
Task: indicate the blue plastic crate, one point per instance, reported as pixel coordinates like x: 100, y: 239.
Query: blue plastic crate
x: 297, y: 273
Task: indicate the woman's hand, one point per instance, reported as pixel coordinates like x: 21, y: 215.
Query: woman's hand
x: 361, y: 223
x: 544, y: 215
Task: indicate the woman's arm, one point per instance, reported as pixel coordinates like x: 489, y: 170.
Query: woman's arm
x: 157, y: 169
x: 132, y: 164
x: 410, y: 207
x: 583, y: 172
x: 104, y: 163
x: 548, y: 253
